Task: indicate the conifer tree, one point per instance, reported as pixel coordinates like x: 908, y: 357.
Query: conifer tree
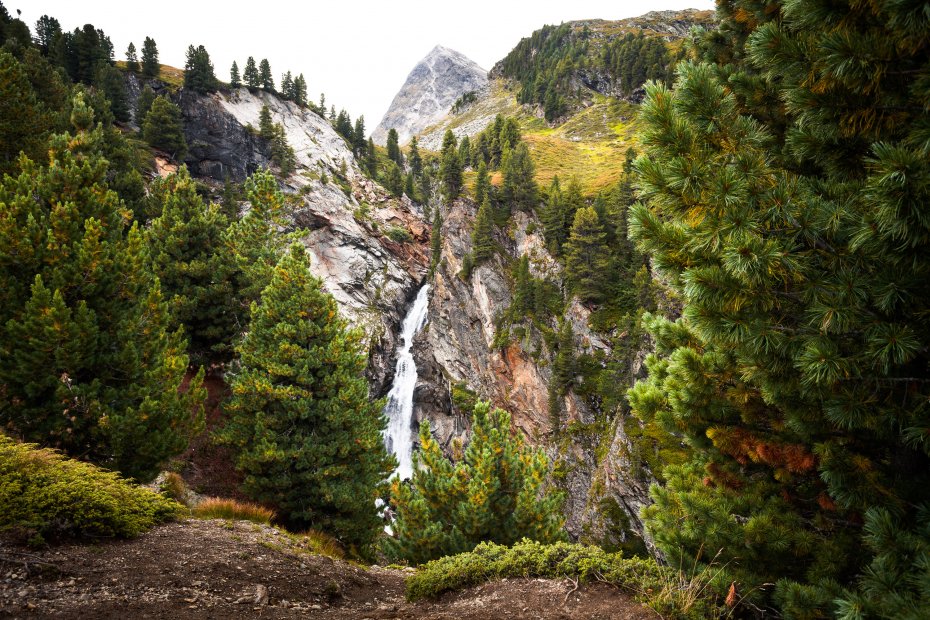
x: 410, y: 187
x: 414, y: 159
x: 150, y: 66
x: 198, y: 70
x: 307, y: 437
x: 287, y: 86
x: 394, y: 180
x: 523, y: 302
x: 393, y: 148
x: 518, y: 190
x: 110, y: 81
x: 195, y: 267
x: 371, y: 158
x: 450, y: 172
x: 465, y: 151
x: 89, y: 364
x: 48, y: 34
x: 449, y: 143
x: 552, y: 218
x: 300, y: 90
x: 143, y: 104
x: 494, y: 493
x: 798, y: 373
x: 587, y: 257
x: 265, y: 79
x: 250, y: 74
x: 234, y: 80
x: 163, y: 128
x: 22, y: 122
x: 358, y: 136
x: 132, y: 59
x: 482, y: 236
x: 482, y: 183
x: 230, y: 200
x: 265, y: 123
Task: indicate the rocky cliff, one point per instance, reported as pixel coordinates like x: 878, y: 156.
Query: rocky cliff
x: 457, y: 359
x: 435, y: 83
x: 345, y: 215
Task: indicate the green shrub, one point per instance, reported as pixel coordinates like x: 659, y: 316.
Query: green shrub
x: 45, y: 495
x: 399, y: 235
x: 222, y: 508
x: 663, y: 589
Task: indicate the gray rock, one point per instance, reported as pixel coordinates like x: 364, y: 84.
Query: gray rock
x: 432, y: 87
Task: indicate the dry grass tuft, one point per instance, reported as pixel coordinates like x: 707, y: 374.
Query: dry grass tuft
x: 222, y: 508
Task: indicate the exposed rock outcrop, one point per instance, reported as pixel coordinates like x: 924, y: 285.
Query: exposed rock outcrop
x: 435, y: 83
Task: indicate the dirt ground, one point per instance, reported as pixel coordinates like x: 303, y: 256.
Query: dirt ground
x: 219, y: 570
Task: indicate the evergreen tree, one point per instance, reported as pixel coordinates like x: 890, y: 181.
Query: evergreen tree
x: 230, y: 200
x: 163, y: 128
x: 132, y: 59
x: 265, y: 123
x: 798, y: 374
x: 198, y: 70
x: 552, y: 218
x: 587, y: 257
x: 300, y: 90
x: 518, y: 190
x: 22, y: 121
x: 523, y: 302
x: 371, y: 159
x: 144, y: 104
x: 89, y: 365
x: 48, y: 33
x: 250, y: 74
x: 393, y: 148
x: 195, y: 267
x: 110, y: 81
x: 307, y: 437
x: 410, y: 187
x: 482, y: 236
x: 449, y: 143
x: 287, y: 86
x: 359, y: 143
x: 450, y: 172
x: 150, y: 66
x: 265, y: 80
x: 234, y: 80
x: 465, y: 151
x: 394, y: 180
x: 414, y: 159
x: 482, y: 183
x: 494, y: 493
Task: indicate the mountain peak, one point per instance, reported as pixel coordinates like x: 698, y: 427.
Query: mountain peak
x: 434, y: 84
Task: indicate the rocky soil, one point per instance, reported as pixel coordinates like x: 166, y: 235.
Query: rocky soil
x: 218, y: 569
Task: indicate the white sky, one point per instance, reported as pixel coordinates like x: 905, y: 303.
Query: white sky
x: 356, y: 51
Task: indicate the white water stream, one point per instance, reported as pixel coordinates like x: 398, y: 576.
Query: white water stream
x: 398, y: 436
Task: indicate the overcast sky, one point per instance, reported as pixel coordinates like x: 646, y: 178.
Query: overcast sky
x: 356, y: 51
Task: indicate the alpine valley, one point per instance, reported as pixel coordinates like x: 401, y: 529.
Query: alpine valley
x: 633, y: 323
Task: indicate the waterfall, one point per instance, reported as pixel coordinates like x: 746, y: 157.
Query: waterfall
x: 398, y: 437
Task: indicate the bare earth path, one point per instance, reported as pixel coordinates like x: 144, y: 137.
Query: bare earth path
x: 220, y: 570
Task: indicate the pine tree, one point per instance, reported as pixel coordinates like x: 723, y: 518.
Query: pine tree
x: 265, y: 123
x: 195, y: 267
x: 307, y: 437
x: 48, y: 34
x: 22, y: 122
x: 394, y: 179
x: 265, y: 79
x: 230, y: 200
x: 523, y: 302
x: 552, y: 218
x: 587, y: 257
x: 799, y: 371
x: 234, y: 80
x: 482, y: 236
x: 494, y: 493
x: 482, y: 183
x: 449, y: 143
x: 465, y: 151
x: 250, y: 74
x: 450, y: 172
x: 300, y: 90
x: 414, y: 159
x: 287, y: 86
x: 144, y: 104
x: 393, y: 148
x: 198, y: 70
x: 371, y: 158
x: 359, y: 142
x: 163, y: 128
x: 150, y: 66
x: 110, y: 81
x: 518, y: 190
x: 410, y: 187
x: 132, y: 59
x: 89, y: 364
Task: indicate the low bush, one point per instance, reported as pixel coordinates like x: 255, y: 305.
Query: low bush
x: 659, y: 587
x: 399, y: 235
x: 44, y: 495
x: 221, y: 508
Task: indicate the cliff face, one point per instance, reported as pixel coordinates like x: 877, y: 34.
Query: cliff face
x: 432, y: 87
x: 344, y: 213
x: 455, y: 352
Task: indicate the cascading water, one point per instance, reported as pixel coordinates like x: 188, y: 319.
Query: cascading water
x: 398, y: 437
